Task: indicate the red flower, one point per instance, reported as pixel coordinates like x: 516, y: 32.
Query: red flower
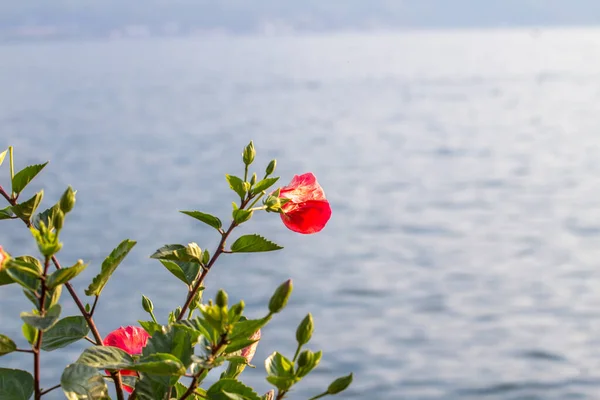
x: 308, y: 210
x: 248, y: 352
x: 132, y: 340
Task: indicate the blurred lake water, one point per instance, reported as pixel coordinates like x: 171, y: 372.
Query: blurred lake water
x: 463, y: 169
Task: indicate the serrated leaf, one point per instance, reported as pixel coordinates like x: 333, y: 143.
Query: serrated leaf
x: 159, y: 364
x: 66, y: 331
x: 82, y: 382
x: 186, y: 272
x: 263, y: 185
x: 2, y: 155
x: 106, y: 357
x: 204, y: 217
x: 24, y: 176
x: 26, y: 209
x: 253, y: 243
x: 15, y: 384
x: 109, y: 265
x: 236, y: 184
x: 224, y: 388
x: 6, y: 345
x: 42, y: 323
x: 64, y: 275
x: 6, y: 213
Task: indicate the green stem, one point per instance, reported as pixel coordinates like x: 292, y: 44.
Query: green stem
x: 297, y: 352
x: 38, y: 344
x: 319, y: 396
x: 12, y: 168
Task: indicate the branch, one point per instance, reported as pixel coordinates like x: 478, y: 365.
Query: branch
x: 50, y: 389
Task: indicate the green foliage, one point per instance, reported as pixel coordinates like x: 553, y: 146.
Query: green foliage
x: 263, y: 185
x: 15, y: 384
x: 229, y: 389
x: 105, y: 357
x: 187, y: 272
x: 178, y: 252
x: 26, y: 209
x: 237, y: 185
x: 64, y: 275
x: 43, y: 323
x: 252, y: 244
x: 206, y: 218
x: 6, y: 345
x: 280, y: 371
x: 109, y: 265
x: 6, y: 213
x: 66, y: 331
x: 83, y: 382
x: 24, y: 176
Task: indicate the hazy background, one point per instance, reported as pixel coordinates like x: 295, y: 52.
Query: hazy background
x: 462, y: 165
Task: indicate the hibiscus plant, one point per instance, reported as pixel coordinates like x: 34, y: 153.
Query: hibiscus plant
x: 166, y: 358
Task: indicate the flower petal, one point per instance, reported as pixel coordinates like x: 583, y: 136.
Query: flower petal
x: 131, y: 339
x: 308, y: 217
x: 303, y: 188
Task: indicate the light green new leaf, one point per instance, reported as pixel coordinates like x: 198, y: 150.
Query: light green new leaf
x: 82, y: 382
x: 109, y: 265
x: 15, y: 384
x: 2, y: 155
x: 26, y: 209
x: 24, y: 176
x: 253, y: 243
x: 237, y: 185
x: 278, y: 365
x: 66, y: 331
x: 6, y: 345
x: 29, y: 333
x: 206, y: 218
x: 64, y: 275
x: 42, y: 323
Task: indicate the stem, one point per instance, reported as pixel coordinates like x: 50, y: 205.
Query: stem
x: 50, y: 389
x: 25, y: 351
x: 319, y: 396
x: 93, y: 306
x: 196, y: 380
x: 88, y: 316
x: 280, y: 394
x: 38, y: 344
x: 12, y: 168
x: 297, y: 352
x: 220, y: 250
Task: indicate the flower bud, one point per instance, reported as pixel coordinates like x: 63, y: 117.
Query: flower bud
x: 305, y: 358
x: 271, y: 167
x: 237, y: 309
x: 221, y: 298
x: 253, y: 179
x: 147, y: 304
x: 305, y: 330
x: 249, y: 153
x: 67, y: 201
x: 280, y: 297
x: 339, y: 384
x: 59, y: 220
x: 273, y: 203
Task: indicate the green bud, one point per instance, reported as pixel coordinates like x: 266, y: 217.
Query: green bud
x: 280, y: 297
x: 273, y: 203
x: 253, y: 179
x: 339, y: 385
x: 271, y: 167
x: 67, y: 201
x: 147, y: 304
x: 249, y: 153
x: 237, y: 309
x: 221, y: 298
x: 305, y: 358
x: 305, y: 330
x: 58, y: 220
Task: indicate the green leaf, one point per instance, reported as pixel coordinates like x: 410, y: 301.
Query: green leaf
x: 52, y: 297
x: 15, y: 384
x: 236, y: 184
x: 197, y: 328
x: 245, y: 329
x: 24, y: 273
x: 82, y: 382
x: 6, y: 213
x: 29, y: 333
x: 152, y: 387
x: 240, y: 216
x: 159, y: 364
x: 187, y: 272
x: 27, y: 209
x: 24, y: 176
x: 278, y: 365
x: 66, y: 331
x: 238, y: 344
x: 263, y: 185
x: 109, y: 265
x: 224, y: 388
x: 42, y: 323
x: 106, y: 357
x: 175, y: 341
x: 282, y: 382
x: 6, y: 345
x: 206, y: 218
x: 64, y: 275
x: 5, y: 278
x: 253, y: 243
x: 179, y: 252
x: 2, y: 155
x: 47, y: 217
x: 150, y: 327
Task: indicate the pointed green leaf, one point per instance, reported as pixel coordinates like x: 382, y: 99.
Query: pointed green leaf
x: 23, y: 272
x: 224, y: 388
x: 6, y: 345
x: 66, y: 331
x: 15, y: 384
x: 253, y: 243
x: 109, y: 265
x: 245, y: 329
x: 206, y: 218
x: 278, y: 365
x: 2, y: 155
x: 159, y: 364
x: 238, y: 344
x: 179, y: 252
x: 6, y: 213
x: 241, y: 216
x: 5, y: 278
x: 186, y: 272
x: 106, y: 357
x: 29, y: 333
x: 42, y: 323
x: 82, y: 382
x: 27, y: 209
x: 24, y: 176
x: 236, y: 184
x: 263, y: 185
x: 64, y: 275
